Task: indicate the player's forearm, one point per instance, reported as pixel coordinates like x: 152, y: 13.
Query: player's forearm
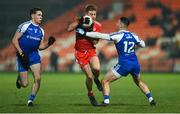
x: 142, y: 44
x: 15, y: 41
x: 72, y: 26
x: 97, y: 35
x: 16, y: 45
x: 43, y: 46
x: 50, y: 42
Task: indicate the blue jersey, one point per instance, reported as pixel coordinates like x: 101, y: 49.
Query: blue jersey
x: 31, y: 38
x: 125, y: 42
x: 29, y: 43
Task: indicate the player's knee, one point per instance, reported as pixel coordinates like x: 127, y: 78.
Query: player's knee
x: 96, y: 71
x: 139, y: 83
x: 136, y: 81
x: 103, y: 81
x: 90, y: 77
x: 24, y: 84
x: 38, y: 79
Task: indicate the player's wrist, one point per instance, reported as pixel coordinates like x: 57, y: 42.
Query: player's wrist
x: 20, y: 53
x: 81, y: 31
x: 85, y: 32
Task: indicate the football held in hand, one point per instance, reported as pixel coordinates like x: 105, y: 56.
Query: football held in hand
x: 87, y: 21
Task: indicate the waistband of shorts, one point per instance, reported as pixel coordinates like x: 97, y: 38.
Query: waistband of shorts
x: 85, y: 51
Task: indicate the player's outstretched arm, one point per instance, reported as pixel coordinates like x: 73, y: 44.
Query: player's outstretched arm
x: 98, y: 35
x: 50, y: 42
x: 95, y: 35
x: 142, y: 44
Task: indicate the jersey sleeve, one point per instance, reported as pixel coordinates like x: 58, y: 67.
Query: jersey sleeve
x: 137, y: 38
x: 97, y: 26
x: 139, y: 42
x: 22, y: 27
x: 42, y: 30
x: 116, y: 36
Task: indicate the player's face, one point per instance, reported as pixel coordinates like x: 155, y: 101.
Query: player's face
x: 37, y: 17
x: 92, y: 14
x: 119, y: 25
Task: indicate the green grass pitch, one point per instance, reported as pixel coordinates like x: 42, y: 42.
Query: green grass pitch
x: 66, y: 93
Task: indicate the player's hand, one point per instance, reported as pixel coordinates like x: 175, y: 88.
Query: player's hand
x: 24, y: 59
x: 51, y: 40
x: 84, y: 20
x: 81, y: 31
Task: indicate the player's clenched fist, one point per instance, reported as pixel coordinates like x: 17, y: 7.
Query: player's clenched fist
x: 24, y: 59
x: 51, y: 40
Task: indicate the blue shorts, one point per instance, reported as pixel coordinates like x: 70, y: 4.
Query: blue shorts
x: 34, y: 58
x: 124, y: 69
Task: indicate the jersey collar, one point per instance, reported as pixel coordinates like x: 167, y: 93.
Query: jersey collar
x: 123, y: 31
x: 34, y: 23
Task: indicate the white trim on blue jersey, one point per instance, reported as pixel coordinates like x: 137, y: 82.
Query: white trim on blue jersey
x: 34, y: 23
x: 39, y: 27
x: 23, y: 27
x: 115, y: 36
x: 141, y: 42
x: 42, y: 32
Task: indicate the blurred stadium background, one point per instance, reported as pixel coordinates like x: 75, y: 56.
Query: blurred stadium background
x: 155, y: 21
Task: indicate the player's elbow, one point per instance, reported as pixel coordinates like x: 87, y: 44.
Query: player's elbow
x: 13, y: 41
x: 142, y: 44
x: 42, y: 47
x: 69, y: 29
x: 72, y: 26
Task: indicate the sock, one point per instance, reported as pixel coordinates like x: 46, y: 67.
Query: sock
x: 90, y: 93
x: 149, y: 96
x: 31, y: 97
x: 106, y: 99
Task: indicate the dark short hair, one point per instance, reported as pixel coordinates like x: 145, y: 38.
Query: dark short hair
x: 125, y: 20
x: 34, y: 10
x: 90, y: 7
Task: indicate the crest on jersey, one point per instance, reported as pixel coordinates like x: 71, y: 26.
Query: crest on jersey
x: 35, y: 30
